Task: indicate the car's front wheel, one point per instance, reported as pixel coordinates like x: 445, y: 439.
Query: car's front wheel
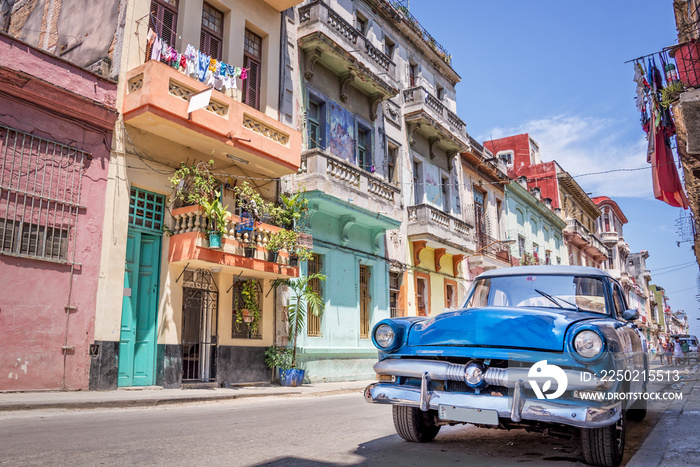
x: 412, y: 424
x: 604, y: 446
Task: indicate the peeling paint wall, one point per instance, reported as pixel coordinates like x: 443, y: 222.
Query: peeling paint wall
x: 34, y: 325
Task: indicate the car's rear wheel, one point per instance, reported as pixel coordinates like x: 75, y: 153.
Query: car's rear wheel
x: 604, y: 446
x: 412, y: 424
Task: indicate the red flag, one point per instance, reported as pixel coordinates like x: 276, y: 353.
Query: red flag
x: 667, y: 184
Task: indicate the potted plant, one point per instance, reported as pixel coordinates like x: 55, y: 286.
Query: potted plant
x: 282, y: 239
x: 248, y: 311
x: 302, y: 301
x: 193, y: 183
x: 250, y: 201
x: 291, y: 210
x: 217, y: 216
x: 277, y: 357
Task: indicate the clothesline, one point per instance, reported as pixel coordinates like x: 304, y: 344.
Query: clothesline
x: 195, y: 63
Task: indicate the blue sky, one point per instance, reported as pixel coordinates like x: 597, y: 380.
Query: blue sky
x: 556, y: 70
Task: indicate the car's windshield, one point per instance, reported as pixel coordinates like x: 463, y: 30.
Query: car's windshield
x: 546, y: 291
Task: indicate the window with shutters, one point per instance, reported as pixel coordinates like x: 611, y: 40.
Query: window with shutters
x: 365, y: 300
x: 364, y: 148
x: 314, y: 124
x: 394, y: 291
x: 163, y: 20
x: 40, y: 184
x: 211, y: 36
x: 313, y: 323
x: 252, y: 59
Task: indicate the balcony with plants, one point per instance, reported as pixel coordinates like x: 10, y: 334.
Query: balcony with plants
x: 259, y: 235
x: 326, y: 37
x: 157, y: 102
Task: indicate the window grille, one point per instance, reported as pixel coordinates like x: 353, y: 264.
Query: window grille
x: 365, y: 299
x: 40, y: 184
x: 146, y: 210
x: 313, y: 323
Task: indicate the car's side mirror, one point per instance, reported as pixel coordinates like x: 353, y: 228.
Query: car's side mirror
x: 630, y: 315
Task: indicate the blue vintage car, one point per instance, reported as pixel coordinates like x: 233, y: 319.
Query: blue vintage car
x: 544, y: 348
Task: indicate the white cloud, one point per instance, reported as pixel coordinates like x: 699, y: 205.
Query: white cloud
x: 582, y: 145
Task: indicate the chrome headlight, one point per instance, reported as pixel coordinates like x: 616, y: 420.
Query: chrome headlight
x: 588, y: 344
x: 384, y: 336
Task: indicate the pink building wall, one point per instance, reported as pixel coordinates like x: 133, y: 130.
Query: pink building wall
x: 47, y: 97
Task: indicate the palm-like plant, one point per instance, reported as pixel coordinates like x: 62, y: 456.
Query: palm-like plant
x: 302, y: 301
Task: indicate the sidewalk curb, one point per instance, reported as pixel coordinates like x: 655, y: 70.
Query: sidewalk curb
x: 162, y: 401
x: 653, y: 450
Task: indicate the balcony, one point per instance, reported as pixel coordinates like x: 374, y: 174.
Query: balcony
x: 326, y: 37
x: 576, y: 233
x: 156, y: 102
x: 609, y: 238
x: 425, y: 113
x: 647, y: 275
x: 439, y: 230
x: 189, y: 244
x: 345, y: 189
x: 596, y: 249
x: 490, y: 253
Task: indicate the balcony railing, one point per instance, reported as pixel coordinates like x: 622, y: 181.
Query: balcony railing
x: 489, y: 246
x: 318, y: 11
x: 418, y: 97
x: 402, y: 7
x: 343, y: 174
x: 596, y: 244
x: 574, y: 227
x: 156, y: 102
x: 426, y: 219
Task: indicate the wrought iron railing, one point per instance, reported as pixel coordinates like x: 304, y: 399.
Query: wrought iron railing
x: 402, y: 7
x: 489, y: 246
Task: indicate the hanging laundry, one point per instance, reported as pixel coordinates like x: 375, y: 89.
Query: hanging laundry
x: 203, y: 66
x: 192, y: 61
x: 244, y: 73
x: 155, y: 49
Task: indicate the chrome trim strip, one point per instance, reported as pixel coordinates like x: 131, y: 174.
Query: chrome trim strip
x: 508, y: 377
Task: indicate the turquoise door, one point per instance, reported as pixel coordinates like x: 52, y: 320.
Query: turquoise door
x: 137, y: 343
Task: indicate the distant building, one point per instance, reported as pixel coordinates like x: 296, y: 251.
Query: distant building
x: 521, y: 154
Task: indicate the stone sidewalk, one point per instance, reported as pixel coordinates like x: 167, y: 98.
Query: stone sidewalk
x: 675, y: 440
x: 153, y: 396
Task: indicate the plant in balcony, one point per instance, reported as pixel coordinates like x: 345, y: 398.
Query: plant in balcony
x: 217, y: 217
x: 282, y: 239
x: 250, y: 201
x: 291, y: 211
x: 249, y: 310
x: 303, y: 300
x: 194, y: 183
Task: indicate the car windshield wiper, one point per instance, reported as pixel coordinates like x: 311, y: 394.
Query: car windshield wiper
x: 555, y: 300
x: 549, y: 297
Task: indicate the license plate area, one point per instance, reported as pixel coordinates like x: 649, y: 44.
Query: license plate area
x: 463, y: 414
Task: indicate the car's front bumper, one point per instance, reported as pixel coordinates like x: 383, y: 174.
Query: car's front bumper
x: 516, y: 408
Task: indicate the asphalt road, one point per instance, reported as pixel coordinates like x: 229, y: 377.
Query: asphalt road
x: 329, y: 430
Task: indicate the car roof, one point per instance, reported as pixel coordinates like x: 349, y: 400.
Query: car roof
x: 556, y: 270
